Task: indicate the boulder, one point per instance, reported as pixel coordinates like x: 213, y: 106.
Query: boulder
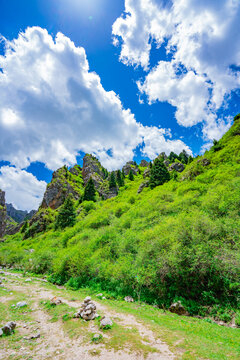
x: 146, y: 173
x: 204, y: 161
x: 179, y: 167
x: 178, y: 308
x: 9, y: 328
x: 106, y: 322
x: 129, y: 299
x: 28, y: 280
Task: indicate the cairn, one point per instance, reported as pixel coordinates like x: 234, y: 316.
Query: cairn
x: 87, y: 310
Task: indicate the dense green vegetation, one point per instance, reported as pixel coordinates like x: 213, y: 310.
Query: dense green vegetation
x: 177, y: 241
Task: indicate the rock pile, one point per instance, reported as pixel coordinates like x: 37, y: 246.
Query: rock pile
x: 87, y: 310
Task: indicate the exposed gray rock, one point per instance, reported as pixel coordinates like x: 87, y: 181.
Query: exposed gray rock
x: 178, y: 308
x: 129, y: 299
x: 106, y: 322
x: 142, y: 186
x: 28, y: 280
x: 21, y: 304
x: 179, y: 167
x: 146, y: 173
x: 130, y: 165
x: 33, y: 337
x: 19, y: 215
x: 144, y: 163
x: 99, y: 295
x: 204, y: 161
x: 9, y: 328
x: 166, y: 163
x: 1, y: 332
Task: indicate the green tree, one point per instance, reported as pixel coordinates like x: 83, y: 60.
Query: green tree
x: 130, y: 175
x: 159, y: 173
x: 24, y: 227
x: 120, y: 179
x: 67, y: 214
x: 237, y: 117
x: 183, y: 157
x: 89, y: 191
x: 150, y: 164
x: 123, y: 175
x: 112, y: 180
x: 172, y: 157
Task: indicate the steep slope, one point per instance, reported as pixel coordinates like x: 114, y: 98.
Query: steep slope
x: 177, y: 241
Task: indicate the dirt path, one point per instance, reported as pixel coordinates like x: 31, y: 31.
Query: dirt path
x: 55, y: 344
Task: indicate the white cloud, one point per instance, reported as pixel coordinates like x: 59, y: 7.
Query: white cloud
x: 23, y: 189
x: 52, y: 106
x: 203, y: 39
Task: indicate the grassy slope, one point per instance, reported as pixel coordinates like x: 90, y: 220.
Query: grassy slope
x: 180, y: 240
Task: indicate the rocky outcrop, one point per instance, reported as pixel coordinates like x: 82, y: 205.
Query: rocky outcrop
x: 178, y: 308
x: 143, y: 186
x: 177, y: 166
x: 146, y: 173
x: 144, y: 163
x: 92, y: 168
x: 130, y: 165
x: 64, y: 182
x: 3, y: 214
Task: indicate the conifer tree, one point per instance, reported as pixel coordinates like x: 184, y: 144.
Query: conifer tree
x: 67, y: 214
x: 89, y: 191
x: 123, y: 175
x: 112, y: 180
x: 120, y: 179
x: 159, y: 173
x: 150, y: 164
x: 131, y: 176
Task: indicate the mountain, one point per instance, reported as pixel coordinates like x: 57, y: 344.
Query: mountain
x: 2, y: 214
x: 18, y: 215
x: 175, y: 241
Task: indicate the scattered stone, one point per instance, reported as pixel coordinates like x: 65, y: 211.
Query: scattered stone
x: 28, y: 280
x: 96, y: 337
x: 87, y: 310
x: 178, y: 308
x: 104, y: 298
x: 99, y: 295
x: 1, y: 332
x: 55, y: 301
x: 32, y: 337
x: 106, y: 322
x: 9, y: 328
x: 129, y: 299
x: 21, y: 304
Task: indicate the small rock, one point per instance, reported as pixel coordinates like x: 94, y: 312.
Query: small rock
x: 129, y: 299
x: 178, y: 308
x: 1, y: 332
x: 55, y: 301
x: 32, y: 337
x: 96, y: 337
x: 9, y: 328
x: 28, y: 280
x: 105, y: 322
x: 21, y: 304
x: 99, y: 295
x: 87, y: 299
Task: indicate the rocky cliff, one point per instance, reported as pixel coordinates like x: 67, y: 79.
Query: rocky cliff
x: 64, y: 182
x: 3, y: 214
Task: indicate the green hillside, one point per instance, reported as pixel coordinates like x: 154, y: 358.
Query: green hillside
x: 180, y: 240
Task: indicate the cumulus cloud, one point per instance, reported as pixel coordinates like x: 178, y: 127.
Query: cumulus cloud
x: 23, y: 189
x: 202, y: 41
x: 52, y: 106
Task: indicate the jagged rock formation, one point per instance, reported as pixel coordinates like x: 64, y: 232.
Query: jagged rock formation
x: 2, y: 214
x: 144, y: 163
x: 64, y: 182
x: 19, y: 215
x: 130, y: 165
x: 92, y: 168
x: 177, y: 166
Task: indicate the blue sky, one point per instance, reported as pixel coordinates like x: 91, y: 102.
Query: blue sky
x: 178, y: 97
